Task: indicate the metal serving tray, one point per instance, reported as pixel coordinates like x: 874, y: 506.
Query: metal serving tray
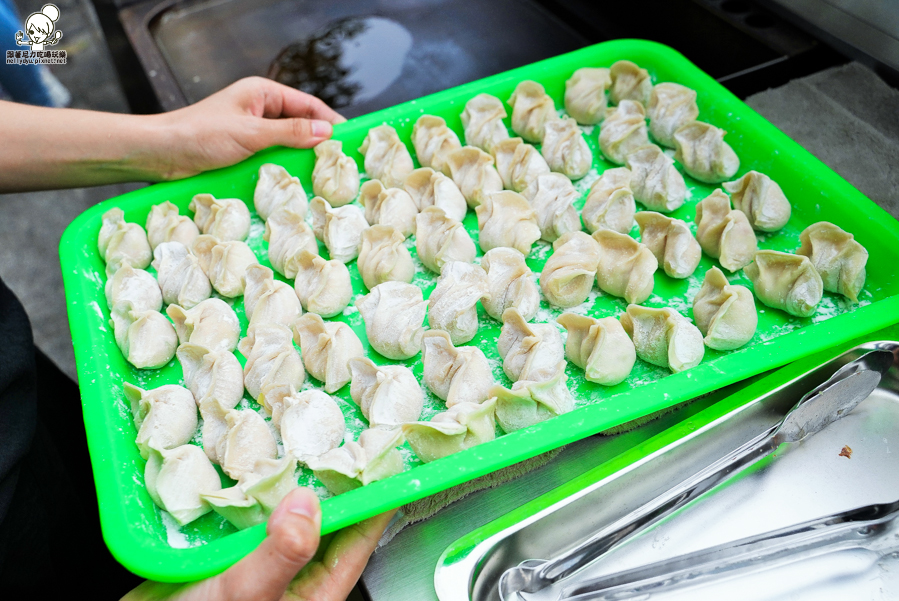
x: 800, y: 482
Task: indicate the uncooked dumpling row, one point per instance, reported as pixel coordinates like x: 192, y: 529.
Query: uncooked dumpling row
x: 225, y: 218
x: 600, y: 347
x: 654, y: 179
x: 704, y: 154
x: 440, y: 239
x: 567, y: 276
x: 453, y: 302
x: 335, y: 176
x: 277, y: 189
x: 586, y: 95
x: 510, y: 284
x: 671, y: 106
x: 671, y: 242
x: 625, y: 267
x: 433, y: 142
x: 723, y: 233
x: 393, y: 313
x: 532, y: 108
x: 389, y: 395
x: 664, y: 337
x: 610, y: 203
x: 836, y: 256
x: 386, y: 157
x: 507, y: 219
x: 785, y: 281
x: 622, y: 131
x: 724, y: 312
x: 761, y: 199
x: 455, y: 374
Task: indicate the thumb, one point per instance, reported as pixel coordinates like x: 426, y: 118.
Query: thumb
x: 293, y: 537
x: 295, y: 132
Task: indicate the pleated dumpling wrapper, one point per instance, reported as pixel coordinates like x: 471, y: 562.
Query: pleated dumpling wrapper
x: 507, y: 219
x: 530, y: 351
x: 393, y: 313
x: 452, y: 306
x: 335, y: 176
x: 288, y: 235
x: 664, y: 337
x: 704, y: 154
x: 567, y: 276
x: 225, y: 218
x: 311, y: 424
x: 552, y: 196
x: 210, y: 374
x: 339, y: 228
x: 671, y: 106
x: 166, y: 224
x: 267, y: 300
x: 531, y: 402
x: 135, y: 286
x: 167, y: 415
x: 565, y: 149
x: 181, y: 278
x: 600, y: 347
x: 433, y: 142
x: 388, y: 206
x: 482, y: 120
x: 212, y: 324
x: 764, y: 203
x: 586, y: 96
x: 623, y: 131
x: 671, y: 242
x: 374, y: 457
x: 463, y: 426
x: 256, y: 493
x: 175, y: 478
x: 625, y: 267
x: 386, y: 157
x: 146, y: 338
x: 246, y: 440
x: 836, y: 256
x: 532, y: 108
x: 389, y: 395
x: 518, y: 163
x: 654, y: 179
x: 429, y: 188
x: 723, y: 233
x: 510, y: 284
x: 323, y: 286
x: 455, y: 374
x: 440, y: 239
x: 120, y: 242
x: 383, y: 257
x: 629, y: 82
x: 724, y: 312
x: 277, y: 189
x: 273, y: 366
x: 785, y: 281
x: 473, y: 172
x: 610, y: 204
x: 326, y: 349
x: 225, y: 263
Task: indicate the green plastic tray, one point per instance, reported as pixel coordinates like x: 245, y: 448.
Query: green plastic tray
x: 146, y: 541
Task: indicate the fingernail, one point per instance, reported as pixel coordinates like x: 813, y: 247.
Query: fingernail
x: 321, y: 129
x: 304, y: 504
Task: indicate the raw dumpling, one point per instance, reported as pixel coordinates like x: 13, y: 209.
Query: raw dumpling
x: 671, y: 242
x: 166, y: 415
x: 440, y: 239
x: 463, y: 426
x: 473, y: 171
x: 433, y: 142
x: 176, y: 477
x: 146, y: 338
x: 121, y: 242
x: 326, y: 349
x: 340, y: 229
x: 585, y: 95
x: 212, y: 324
x: 510, y: 284
x: 135, y: 286
x: 386, y: 157
x: 671, y: 105
x: 356, y: 464
x: 273, y: 366
x: 277, y: 189
x: 567, y: 276
x: 393, y: 313
x: 180, y: 275
x: 785, y: 281
x: 384, y: 257
x: 287, y: 236
x: 723, y: 233
x: 724, y: 312
x: 165, y: 224
x: 704, y: 154
x: 565, y: 148
x: 552, y: 197
x: 654, y: 179
x: 256, y: 494
x: 610, y: 203
x: 246, y: 440
x: 211, y: 375
x: 531, y: 109
x: 629, y: 82
x: 335, y: 176
x: 214, y: 426
x: 389, y: 395
x: 323, y: 287
x: 388, y: 206
x: 456, y: 375
x: 761, y: 199
x: 224, y: 218
x: 664, y: 337
x: 530, y: 402
x: 453, y: 302
x: 529, y: 351
x: 625, y: 266
x: 311, y: 425
x: 518, y: 163
x: 267, y: 300
x: 837, y: 257
x: 623, y: 131
x: 225, y: 263
x: 483, y: 122
x: 429, y: 188
x: 506, y: 219
x: 600, y: 347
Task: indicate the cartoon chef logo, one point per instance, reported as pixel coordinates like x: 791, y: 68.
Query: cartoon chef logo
x: 41, y: 29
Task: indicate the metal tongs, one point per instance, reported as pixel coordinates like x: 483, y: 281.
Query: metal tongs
x: 821, y: 406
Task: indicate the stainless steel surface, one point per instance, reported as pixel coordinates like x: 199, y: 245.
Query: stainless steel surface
x: 807, y: 481
x: 818, y: 408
